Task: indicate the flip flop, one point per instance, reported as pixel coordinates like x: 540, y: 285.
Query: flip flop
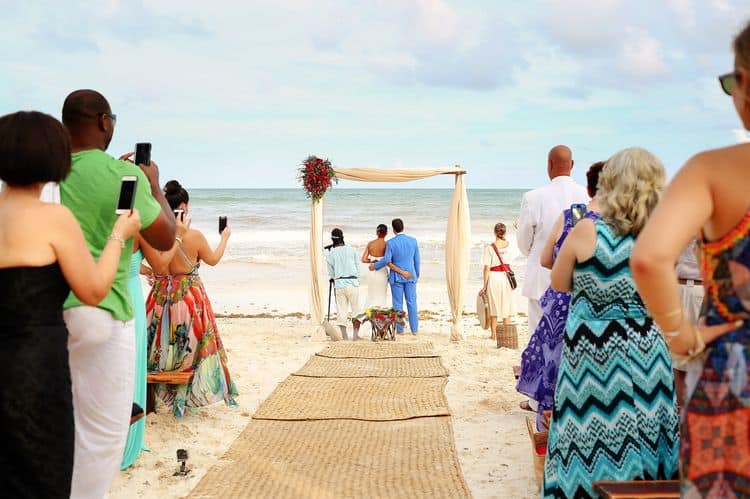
x: 525, y: 406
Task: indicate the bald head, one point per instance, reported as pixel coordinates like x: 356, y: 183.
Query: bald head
x: 559, y: 161
x: 87, y: 116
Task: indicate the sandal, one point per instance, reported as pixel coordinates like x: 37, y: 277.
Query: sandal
x: 525, y: 406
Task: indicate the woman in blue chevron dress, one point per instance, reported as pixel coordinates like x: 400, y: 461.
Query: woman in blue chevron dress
x: 615, y: 414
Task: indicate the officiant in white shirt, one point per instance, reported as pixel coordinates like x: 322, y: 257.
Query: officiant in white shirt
x: 540, y: 208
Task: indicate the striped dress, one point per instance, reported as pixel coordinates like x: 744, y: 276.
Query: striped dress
x: 615, y: 415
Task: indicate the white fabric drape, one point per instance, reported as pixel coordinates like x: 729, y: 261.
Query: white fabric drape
x: 457, y: 239
x: 387, y: 174
x: 457, y: 254
x: 316, y: 269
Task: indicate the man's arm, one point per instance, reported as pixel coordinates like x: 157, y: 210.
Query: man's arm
x: 329, y: 265
x: 386, y: 259
x: 526, y: 227
x: 417, y: 259
x: 159, y: 233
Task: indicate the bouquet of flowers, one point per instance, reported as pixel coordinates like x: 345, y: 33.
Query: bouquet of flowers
x: 383, y: 319
x: 317, y: 176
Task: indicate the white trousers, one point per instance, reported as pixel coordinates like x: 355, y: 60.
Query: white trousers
x: 691, y: 296
x: 102, y: 365
x: 347, y: 301
x: 535, y: 315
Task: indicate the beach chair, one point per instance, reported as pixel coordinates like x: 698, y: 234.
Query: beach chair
x: 166, y: 378
x: 638, y: 489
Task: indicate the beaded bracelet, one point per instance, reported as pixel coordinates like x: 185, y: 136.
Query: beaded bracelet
x: 117, y: 237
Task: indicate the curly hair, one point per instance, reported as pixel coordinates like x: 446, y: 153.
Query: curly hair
x: 629, y: 188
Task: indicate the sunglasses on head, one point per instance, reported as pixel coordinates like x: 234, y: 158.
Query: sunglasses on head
x: 728, y: 82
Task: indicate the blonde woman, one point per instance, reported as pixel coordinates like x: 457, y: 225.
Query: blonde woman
x: 496, y: 284
x: 709, y: 195
x: 614, y: 416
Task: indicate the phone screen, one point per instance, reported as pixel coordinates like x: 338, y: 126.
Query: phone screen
x: 127, y: 195
x: 143, y: 153
x: 222, y: 224
x: 578, y: 211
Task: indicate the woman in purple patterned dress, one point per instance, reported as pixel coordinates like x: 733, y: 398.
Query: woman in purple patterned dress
x: 541, y: 358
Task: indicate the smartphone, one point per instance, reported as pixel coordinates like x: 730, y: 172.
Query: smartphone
x: 578, y: 211
x: 125, y: 202
x: 143, y: 153
x: 222, y: 224
x: 179, y: 214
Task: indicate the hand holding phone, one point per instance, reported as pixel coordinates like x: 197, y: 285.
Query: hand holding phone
x: 126, y: 201
x: 143, y: 153
x: 128, y: 224
x: 222, y: 224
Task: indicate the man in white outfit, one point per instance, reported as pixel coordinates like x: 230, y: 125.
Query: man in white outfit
x: 540, y: 208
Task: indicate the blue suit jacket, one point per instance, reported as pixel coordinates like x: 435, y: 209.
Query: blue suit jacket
x: 403, y: 252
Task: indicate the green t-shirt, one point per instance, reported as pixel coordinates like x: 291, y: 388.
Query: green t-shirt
x: 91, y: 191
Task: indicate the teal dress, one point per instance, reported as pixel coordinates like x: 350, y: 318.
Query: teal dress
x: 615, y: 414
x: 135, y: 443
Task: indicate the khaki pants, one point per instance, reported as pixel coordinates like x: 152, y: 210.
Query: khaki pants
x: 347, y: 301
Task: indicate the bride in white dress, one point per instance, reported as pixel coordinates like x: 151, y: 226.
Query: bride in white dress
x: 377, y: 282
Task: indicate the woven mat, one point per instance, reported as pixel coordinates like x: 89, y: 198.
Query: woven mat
x: 325, y: 367
x: 300, y: 398
x: 339, y: 458
x: 379, y: 350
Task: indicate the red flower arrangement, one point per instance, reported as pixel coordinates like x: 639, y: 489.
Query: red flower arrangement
x: 317, y: 176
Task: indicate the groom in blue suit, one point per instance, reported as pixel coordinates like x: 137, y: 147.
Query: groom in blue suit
x: 403, y: 252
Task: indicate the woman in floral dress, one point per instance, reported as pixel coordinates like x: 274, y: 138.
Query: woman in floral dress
x: 182, y: 332
x: 709, y: 195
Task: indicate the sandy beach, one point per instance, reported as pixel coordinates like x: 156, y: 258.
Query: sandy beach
x: 267, y: 338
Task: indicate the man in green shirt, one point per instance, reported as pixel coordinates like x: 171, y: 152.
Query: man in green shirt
x: 101, y: 341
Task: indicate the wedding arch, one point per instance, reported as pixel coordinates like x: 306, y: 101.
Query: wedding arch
x: 457, y: 239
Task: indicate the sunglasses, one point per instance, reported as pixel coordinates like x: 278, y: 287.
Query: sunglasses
x: 728, y: 82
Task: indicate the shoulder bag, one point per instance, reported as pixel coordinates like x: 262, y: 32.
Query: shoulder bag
x: 508, y: 272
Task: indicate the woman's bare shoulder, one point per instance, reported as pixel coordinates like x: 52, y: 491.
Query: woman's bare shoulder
x: 55, y: 215
x: 716, y: 157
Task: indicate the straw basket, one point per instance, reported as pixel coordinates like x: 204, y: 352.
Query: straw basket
x: 538, y: 448
x: 507, y: 336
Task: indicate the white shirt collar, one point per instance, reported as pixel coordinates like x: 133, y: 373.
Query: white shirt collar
x: 562, y: 178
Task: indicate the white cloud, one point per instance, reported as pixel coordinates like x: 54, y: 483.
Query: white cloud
x: 642, y: 56
x: 741, y: 135
x: 685, y: 10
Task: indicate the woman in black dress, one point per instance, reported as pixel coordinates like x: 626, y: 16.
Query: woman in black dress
x: 43, y: 255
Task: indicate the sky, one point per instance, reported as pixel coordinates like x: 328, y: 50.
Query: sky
x: 237, y: 94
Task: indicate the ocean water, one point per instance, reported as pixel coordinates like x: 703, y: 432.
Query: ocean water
x: 271, y: 226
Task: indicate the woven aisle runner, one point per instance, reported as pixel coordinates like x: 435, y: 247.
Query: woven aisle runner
x: 369, y: 399
x: 325, y: 367
x: 362, y: 431
x: 377, y: 350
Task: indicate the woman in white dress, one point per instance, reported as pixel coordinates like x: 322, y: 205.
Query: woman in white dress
x: 496, y: 284
x: 377, y: 283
